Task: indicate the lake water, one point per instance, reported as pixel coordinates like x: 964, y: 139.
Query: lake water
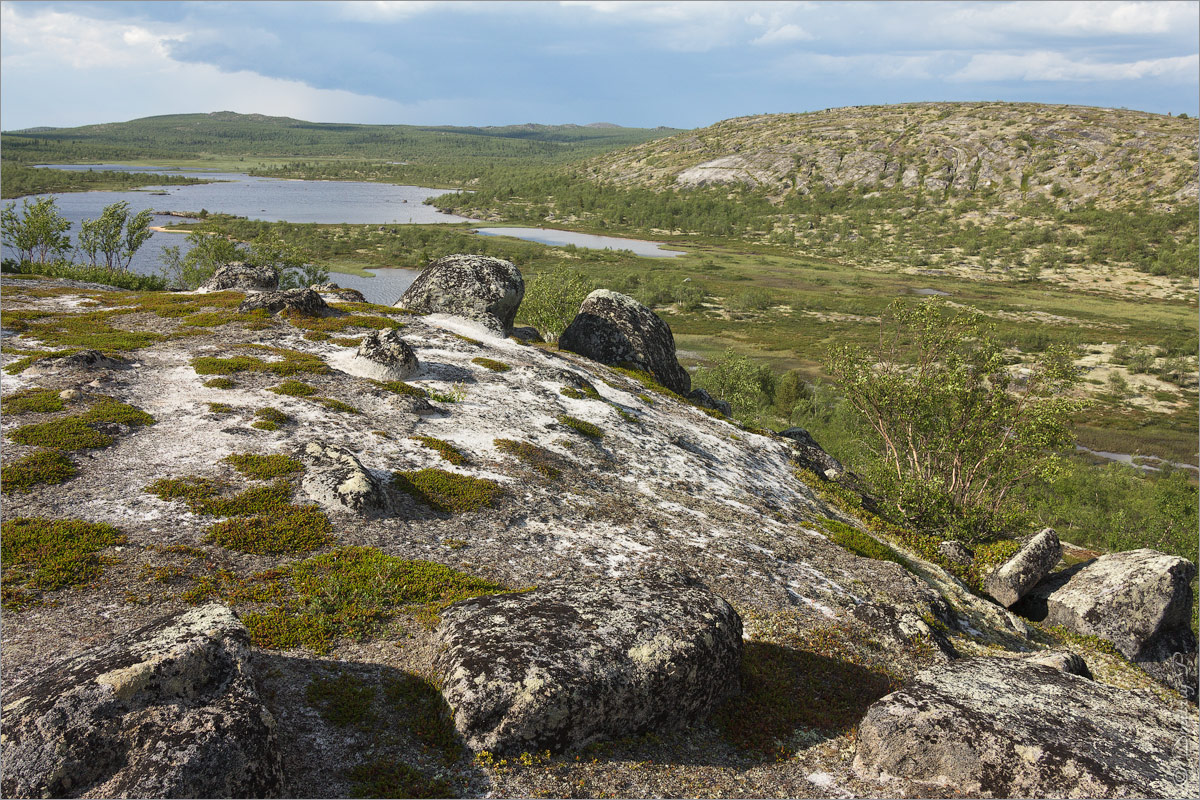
x: 590, y: 241
x: 256, y: 198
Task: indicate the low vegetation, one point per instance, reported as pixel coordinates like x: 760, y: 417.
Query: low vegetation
x: 43, y: 468
x: 42, y: 555
x: 580, y: 426
x: 446, y: 450
x: 448, y: 492
x: 536, y: 458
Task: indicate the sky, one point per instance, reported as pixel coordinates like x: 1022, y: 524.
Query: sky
x: 644, y: 64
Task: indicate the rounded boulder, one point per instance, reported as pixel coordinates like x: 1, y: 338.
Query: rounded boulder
x: 479, y: 288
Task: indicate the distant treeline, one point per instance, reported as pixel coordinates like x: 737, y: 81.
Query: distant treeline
x: 18, y: 180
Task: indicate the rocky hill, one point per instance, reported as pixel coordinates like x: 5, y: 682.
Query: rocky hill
x: 263, y: 543
x: 1006, y: 151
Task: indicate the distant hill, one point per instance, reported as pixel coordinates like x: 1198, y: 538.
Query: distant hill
x: 1009, y: 152
x: 226, y: 133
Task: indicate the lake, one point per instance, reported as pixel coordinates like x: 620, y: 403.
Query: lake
x: 590, y: 241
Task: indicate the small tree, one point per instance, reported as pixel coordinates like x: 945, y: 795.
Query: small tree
x: 208, y: 252
x: 115, y: 236
x: 40, y: 231
x: 955, y: 429
x: 552, y: 299
x: 737, y: 380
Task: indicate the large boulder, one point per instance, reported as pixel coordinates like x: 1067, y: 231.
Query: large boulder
x: 810, y: 455
x: 1013, y: 579
x: 479, y: 288
x: 294, y: 301
x: 1132, y: 599
x: 701, y: 397
x: 615, y: 329
x: 169, y: 710
x: 383, y: 356
x: 569, y: 664
x: 997, y: 727
x: 338, y: 293
x: 242, y: 277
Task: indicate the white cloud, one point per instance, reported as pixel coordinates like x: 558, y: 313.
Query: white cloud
x: 63, y: 69
x: 702, y: 26
x: 784, y: 34
x: 388, y: 10
x: 1052, y: 66
x: 888, y: 66
x: 1078, y: 18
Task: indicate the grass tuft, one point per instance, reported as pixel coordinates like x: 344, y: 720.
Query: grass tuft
x: 445, y: 449
x: 492, y: 364
x: 581, y: 426
x: 220, y: 383
x: 71, y: 433
x: 286, y: 529
x: 400, y: 387
x: 293, y: 389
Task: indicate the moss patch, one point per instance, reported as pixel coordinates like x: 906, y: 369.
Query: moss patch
x: 860, y: 543
x: 43, y: 468
x: 286, y: 364
x: 444, y: 449
x: 400, y: 387
x: 492, y: 364
x: 23, y: 363
x: 220, y: 408
x: 537, y: 458
x: 220, y: 383
x: 71, y: 433
x: 40, y: 401
x: 448, y: 491
x: 91, y: 330
x: 293, y: 389
x: 586, y: 393
x: 337, y: 405
x: 41, y: 555
x: 192, y: 489
x: 581, y: 426
x: 350, y: 593
x: 390, y: 778
x: 328, y: 325
x: 109, y: 409
x: 263, y: 467
x: 288, y: 529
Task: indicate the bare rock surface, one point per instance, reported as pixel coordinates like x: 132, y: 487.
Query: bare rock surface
x: 297, y: 301
x: 1009, y: 582
x: 168, y: 710
x: 997, y: 727
x: 1127, y: 598
x: 331, y: 291
x: 615, y: 329
x: 243, y: 277
x: 479, y: 288
x: 383, y: 356
x: 1064, y: 661
x: 569, y: 664
x: 339, y: 481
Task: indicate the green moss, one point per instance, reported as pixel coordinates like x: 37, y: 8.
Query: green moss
x: 43, y: 468
x: 286, y: 364
x: 368, y: 307
x: 220, y: 408
x: 90, y: 330
x: 192, y: 489
x: 273, y: 498
x: 286, y: 529
x: 350, y: 593
x: 343, y: 701
x: 108, y: 409
x: 41, y: 555
x: 492, y: 364
x: 648, y: 381
x: 265, y: 425
x: 455, y: 394
x: 210, y: 365
x: 467, y: 339
x: 220, y: 383
x: 40, y: 401
x: 538, y: 458
x: 586, y: 393
x: 400, y: 387
x: 580, y: 426
x: 814, y: 684
x: 448, y: 491
x: 337, y: 405
x: 445, y: 449
x: 70, y: 433
x: 345, y: 341
x: 263, y: 467
x: 273, y: 415
x: 293, y: 389
x: 328, y: 325
x: 21, y: 364
x: 389, y: 778
x: 860, y: 543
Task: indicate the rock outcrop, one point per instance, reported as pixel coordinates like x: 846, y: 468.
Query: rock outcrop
x: 340, y: 293
x: 701, y: 397
x: 84, y: 360
x: 997, y: 727
x: 570, y: 664
x: 296, y: 301
x: 479, y: 288
x: 339, y: 482
x: 1128, y: 598
x: 811, y: 456
x: 1064, y: 661
x: 383, y: 356
x: 241, y: 277
x: 615, y: 329
x: 1013, y: 579
x: 169, y: 710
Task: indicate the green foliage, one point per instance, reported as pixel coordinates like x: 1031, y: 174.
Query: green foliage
x: 492, y: 364
x: 20, y: 180
x: 738, y: 381
x: 953, y: 432
x: 291, y: 362
x: 220, y: 383
x: 349, y: 592
x: 41, y: 555
x: 286, y: 529
x: 209, y: 252
x: 342, y: 701
x: 448, y: 491
x: 444, y: 449
x: 537, y: 458
x: 400, y: 387
x: 860, y: 543
x: 390, y: 778
x: 45, y: 467
x: 109, y: 409
x: 39, y: 232
x: 584, y: 393
x: 92, y: 330
x: 192, y: 489
x: 293, y: 389
x: 77, y: 272
x: 70, y: 433
x: 581, y: 426
x: 337, y: 405
x: 34, y: 400
x: 552, y: 299
x: 115, y: 236
x: 262, y: 467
